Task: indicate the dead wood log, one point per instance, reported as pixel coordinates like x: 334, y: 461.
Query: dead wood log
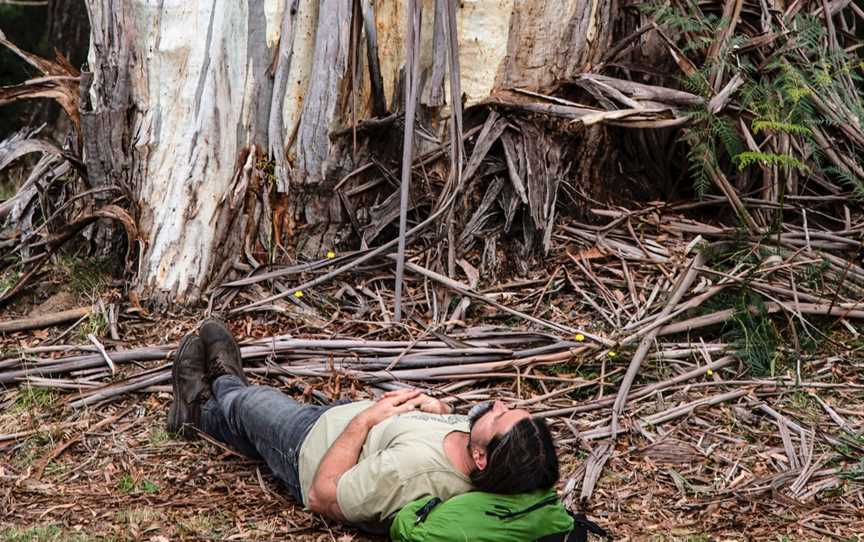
x: 45, y: 320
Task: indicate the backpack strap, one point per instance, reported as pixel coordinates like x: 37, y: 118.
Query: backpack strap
x: 581, y: 527
x: 504, y: 513
x: 424, y: 510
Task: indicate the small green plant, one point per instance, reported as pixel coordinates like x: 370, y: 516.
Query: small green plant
x: 158, y: 435
x: 767, y: 125
x: 32, y: 399
x: 146, y: 486
x: 46, y: 533
x: 854, y: 473
x: 127, y: 484
x: 814, y: 275
x: 850, y: 446
x: 95, y: 324
x: 31, y: 450
x: 753, y: 333
x: 55, y: 469
x: 86, y: 277
x: 6, y: 191
x: 203, y: 524
x: 137, y: 516
x: 8, y: 279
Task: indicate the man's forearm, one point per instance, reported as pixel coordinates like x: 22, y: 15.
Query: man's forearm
x: 341, y: 456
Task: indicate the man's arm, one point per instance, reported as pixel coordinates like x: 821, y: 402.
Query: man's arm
x: 345, y: 451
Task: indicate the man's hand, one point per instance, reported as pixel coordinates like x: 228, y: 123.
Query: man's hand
x: 427, y: 404
x: 390, y: 404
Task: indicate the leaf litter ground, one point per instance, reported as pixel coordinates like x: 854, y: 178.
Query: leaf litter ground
x: 744, y: 420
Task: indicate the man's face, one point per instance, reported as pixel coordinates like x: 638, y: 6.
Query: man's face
x: 491, y: 418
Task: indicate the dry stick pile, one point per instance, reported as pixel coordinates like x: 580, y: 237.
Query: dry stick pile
x: 644, y: 278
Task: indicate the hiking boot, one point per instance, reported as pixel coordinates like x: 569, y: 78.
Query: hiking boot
x: 221, y: 350
x: 188, y: 380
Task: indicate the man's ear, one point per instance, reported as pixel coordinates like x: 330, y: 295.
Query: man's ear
x: 479, y: 456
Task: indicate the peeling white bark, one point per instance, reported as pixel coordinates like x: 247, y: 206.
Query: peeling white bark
x: 197, y: 80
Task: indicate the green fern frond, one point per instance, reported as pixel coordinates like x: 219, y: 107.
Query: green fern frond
x: 855, y: 183
x: 726, y: 132
x: 809, y: 33
x: 748, y: 158
x: 765, y: 125
x: 697, y: 83
x: 700, y: 160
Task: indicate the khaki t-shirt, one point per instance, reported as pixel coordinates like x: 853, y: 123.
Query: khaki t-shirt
x: 402, y: 460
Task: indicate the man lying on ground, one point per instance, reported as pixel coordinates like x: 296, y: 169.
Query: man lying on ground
x: 358, y: 462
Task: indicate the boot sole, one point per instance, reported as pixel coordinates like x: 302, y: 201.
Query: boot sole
x: 180, y: 409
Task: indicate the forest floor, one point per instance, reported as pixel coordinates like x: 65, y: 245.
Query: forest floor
x: 730, y: 467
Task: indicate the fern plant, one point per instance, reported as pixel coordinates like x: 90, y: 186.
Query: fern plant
x: 749, y: 158
x: 778, y: 101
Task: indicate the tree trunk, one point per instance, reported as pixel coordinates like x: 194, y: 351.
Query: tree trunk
x: 189, y: 106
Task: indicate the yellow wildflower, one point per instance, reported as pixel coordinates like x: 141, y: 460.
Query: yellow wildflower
x: 330, y: 254
x: 298, y: 294
x: 579, y: 337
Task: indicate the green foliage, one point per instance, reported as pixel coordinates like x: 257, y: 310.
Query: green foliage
x: 701, y: 161
x: 204, y: 525
x: 707, y: 129
x: 8, y: 279
x: 753, y: 333
x: 86, y: 276
x: 127, y: 484
x: 267, y: 169
x: 33, y: 399
x: 146, y: 486
x: 702, y: 26
x: 749, y: 158
x: 850, y: 446
x: 854, y: 473
x: 849, y: 179
x: 31, y: 450
x: 7, y: 190
x: 46, y: 533
x: 95, y: 325
x: 780, y: 97
x: 767, y: 125
x: 158, y: 435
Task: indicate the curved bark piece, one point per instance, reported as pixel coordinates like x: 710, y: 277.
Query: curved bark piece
x: 276, y: 128
x: 319, y: 115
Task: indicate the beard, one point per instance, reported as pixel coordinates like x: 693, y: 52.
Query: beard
x: 477, y: 412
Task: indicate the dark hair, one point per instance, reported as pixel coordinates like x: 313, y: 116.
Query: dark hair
x: 521, y: 460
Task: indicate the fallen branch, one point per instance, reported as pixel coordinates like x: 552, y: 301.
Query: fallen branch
x: 45, y: 320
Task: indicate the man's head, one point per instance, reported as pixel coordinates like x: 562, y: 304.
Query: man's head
x: 512, y: 451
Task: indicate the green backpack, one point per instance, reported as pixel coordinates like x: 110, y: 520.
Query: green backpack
x: 486, y: 517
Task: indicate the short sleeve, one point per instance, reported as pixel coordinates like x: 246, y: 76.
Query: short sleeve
x: 371, y: 489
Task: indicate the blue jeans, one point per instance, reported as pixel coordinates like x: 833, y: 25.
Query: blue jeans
x: 262, y: 423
